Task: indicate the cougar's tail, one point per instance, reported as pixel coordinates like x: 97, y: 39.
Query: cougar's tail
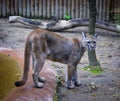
x: 26, y: 63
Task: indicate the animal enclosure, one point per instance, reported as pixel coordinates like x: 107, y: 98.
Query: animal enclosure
x: 106, y: 9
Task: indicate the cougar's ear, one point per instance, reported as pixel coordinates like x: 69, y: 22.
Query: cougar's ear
x: 83, y: 35
x: 95, y: 35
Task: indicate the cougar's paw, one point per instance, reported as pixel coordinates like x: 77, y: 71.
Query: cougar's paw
x: 77, y: 83
x: 39, y: 85
x: 70, y: 85
x: 41, y: 79
x: 19, y: 83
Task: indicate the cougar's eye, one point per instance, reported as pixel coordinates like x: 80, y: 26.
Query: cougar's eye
x: 88, y: 42
x: 94, y: 42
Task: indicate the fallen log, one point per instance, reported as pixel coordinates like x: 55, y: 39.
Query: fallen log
x: 63, y: 24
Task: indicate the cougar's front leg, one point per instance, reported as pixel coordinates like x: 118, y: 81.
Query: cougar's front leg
x: 75, y: 78
x: 70, y: 84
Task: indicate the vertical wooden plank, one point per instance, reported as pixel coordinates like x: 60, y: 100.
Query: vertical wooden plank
x: 84, y: 8
x: 81, y: 11
x: 16, y: 7
x: 4, y: 10
x: 28, y: 8
x: 52, y: 7
x: 60, y: 9
x: 76, y: 9
x: 32, y: 8
x: 48, y: 14
x: 44, y: 9
x: 56, y: 8
x: 0, y: 8
x: 104, y: 10
x: 80, y: 7
x: 69, y: 8
x: 64, y: 8
x: 12, y: 7
x: 100, y: 10
x: 97, y: 8
x: 36, y: 8
x: 20, y: 8
x: 119, y: 10
x: 73, y: 9
x: 40, y: 8
x: 24, y: 8
x: 8, y: 7
x: 87, y: 9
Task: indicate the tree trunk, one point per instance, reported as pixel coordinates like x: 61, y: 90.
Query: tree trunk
x: 92, y: 19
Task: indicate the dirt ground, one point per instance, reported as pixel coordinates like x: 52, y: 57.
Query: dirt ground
x: 100, y: 87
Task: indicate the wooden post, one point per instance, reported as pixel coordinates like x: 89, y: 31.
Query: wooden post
x: 4, y: 10
x: 12, y: 7
x: 40, y: 8
x: 16, y: 7
x: 24, y: 8
x: 44, y: 8
x: 52, y: 7
x: 28, y: 8
x: 48, y: 7
x: 32, y: 8
x: 0, y: 8
x: 36, y: 9
x: 20, y: 8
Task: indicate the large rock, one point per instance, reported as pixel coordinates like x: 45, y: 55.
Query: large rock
x: 28, y: 92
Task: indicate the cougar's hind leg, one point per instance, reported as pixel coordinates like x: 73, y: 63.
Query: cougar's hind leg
x: 70, y: 84
x: 38, y: 64
x: 40, y: 79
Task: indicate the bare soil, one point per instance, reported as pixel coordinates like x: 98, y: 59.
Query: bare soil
x: 100, y: 87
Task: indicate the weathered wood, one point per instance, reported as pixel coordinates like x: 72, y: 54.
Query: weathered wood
x: 0, y: 8
x: 28, y: 8
x: 12, y: 8
x: 16, y: 7
x: 48, y: 8
x: 36, y: 8
x: 80, y: 8
x: 52, y: 7
x: 24, y: 8
x: 44, y: 8
x: 56, y: 8
x: 108, y: 10
x: 32, y: 8
x: 63, y: 24
x: 73, y: 10
x: 4, y: 8
x: 40, y: 8
x: 20, y: 8
x: 48, y: 15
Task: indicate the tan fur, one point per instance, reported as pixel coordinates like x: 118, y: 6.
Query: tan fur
x: 42, y: 45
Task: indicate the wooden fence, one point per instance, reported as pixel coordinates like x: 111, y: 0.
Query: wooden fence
x: 48, y: 8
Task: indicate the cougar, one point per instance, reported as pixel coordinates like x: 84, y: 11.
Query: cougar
x: 42, y: 44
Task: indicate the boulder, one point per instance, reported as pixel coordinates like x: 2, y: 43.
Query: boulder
x: 28, y: 92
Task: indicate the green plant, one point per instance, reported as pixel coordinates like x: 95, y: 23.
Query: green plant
x: 67, y: 16
x: 93, y: 69
x: 55, y: 97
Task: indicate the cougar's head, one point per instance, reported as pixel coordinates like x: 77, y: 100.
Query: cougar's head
x: 89, y: 41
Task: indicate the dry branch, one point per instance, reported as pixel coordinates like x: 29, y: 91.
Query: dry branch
x: 63, y: 24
